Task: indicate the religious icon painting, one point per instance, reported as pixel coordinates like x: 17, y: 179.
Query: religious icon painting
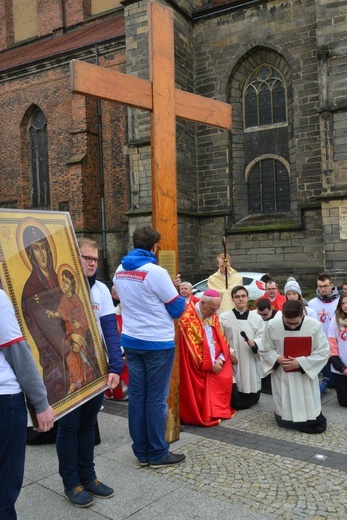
x: 42, y: 273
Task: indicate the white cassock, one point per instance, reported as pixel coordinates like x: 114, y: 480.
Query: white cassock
x: 296, y: 395
x: 248, y: 371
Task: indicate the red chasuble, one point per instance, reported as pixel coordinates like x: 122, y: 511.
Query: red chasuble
x: 204, y: 396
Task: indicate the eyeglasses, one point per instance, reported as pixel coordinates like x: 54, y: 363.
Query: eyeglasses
x: 292, y: 324
x: 323, y: 286
x: 90, y: 259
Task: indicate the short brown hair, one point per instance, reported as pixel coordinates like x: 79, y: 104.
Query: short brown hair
x: 238, y: 288
x: 145, y: 237
x: 85, y: 241
x: 292, y: 309
x: 262, y: 304
x: 270, y: 280
x: 323, y: 277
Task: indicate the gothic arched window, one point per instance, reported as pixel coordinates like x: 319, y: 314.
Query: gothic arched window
x: 39, y: 185
x: 265, y: 98
x: 268, y: 187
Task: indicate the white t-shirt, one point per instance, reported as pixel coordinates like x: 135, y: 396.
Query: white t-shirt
x: 143, y: 293
x: 9, y: 333
x: 102, y: 303
x: 325, y: 311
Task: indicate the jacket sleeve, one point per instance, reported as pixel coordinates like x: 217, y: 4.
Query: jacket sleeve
x: 334, y: 355
x: 176, y: 307
x: 110, y: 332
x: 19, y: 357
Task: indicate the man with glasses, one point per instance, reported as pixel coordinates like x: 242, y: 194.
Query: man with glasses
x: 324, y: 304
x: 205, y: 366
x: 243, y: 329
x: 273, y: 295
x: 76, y: 430
x: 294, y: 350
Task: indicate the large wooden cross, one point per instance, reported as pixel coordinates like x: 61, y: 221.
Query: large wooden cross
x: 165, y: 102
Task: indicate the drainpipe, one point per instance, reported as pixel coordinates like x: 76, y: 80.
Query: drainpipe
x: 102, y: 184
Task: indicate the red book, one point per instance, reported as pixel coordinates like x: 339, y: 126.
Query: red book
x: 297, y: 346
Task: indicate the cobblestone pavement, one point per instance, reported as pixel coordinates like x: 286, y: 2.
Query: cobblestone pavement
x: 252, y: 462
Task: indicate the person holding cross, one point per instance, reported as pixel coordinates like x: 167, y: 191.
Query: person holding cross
x: 150, y: 303
x: 224, y: 280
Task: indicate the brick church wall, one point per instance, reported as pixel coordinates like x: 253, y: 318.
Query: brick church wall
x: 72, y: 130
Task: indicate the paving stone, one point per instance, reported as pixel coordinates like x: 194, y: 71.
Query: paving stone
x: 243, y: 469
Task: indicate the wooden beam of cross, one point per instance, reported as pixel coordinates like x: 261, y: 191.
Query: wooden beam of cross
x: 165, y: 102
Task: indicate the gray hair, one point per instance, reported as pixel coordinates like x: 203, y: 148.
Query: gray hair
x: 207, y: 299
x: 186, y: 283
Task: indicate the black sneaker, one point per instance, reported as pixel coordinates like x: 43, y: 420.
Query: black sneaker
x: 79, y: 496
x: 173, y: 458
x: 98, y: 489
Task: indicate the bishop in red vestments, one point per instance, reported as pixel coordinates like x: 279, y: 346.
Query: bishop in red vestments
x: 205, y: 367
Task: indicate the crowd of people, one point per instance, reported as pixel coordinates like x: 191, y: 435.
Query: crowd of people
x: 229, y: 354
x: 280, y: 345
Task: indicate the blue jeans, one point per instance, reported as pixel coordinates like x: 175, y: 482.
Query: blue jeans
x: 75, y: 443
x: 328, y: 373
x: 149, y: 382
x: 13, y: 431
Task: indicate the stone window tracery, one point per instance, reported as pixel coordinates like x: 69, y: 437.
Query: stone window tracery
x: 265, y: 98
x: 38, y: 145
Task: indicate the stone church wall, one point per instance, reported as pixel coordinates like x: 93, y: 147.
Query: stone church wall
x: 216, y: 49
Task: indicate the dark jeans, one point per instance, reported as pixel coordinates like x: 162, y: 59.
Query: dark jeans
x: 341, y: 388
x: 75, y: 443
x: 149, y: 382
x: 13, y: 429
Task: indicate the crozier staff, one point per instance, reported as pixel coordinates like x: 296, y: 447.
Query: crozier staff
x: 225, y: 262
x: 224, y: 280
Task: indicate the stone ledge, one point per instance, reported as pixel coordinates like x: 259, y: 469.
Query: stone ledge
x: 263, y: 223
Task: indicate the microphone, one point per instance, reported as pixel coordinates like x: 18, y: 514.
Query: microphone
x: 244, y: 335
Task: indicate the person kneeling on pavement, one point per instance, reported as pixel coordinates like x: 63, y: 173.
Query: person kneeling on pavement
x: 294, y: 351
